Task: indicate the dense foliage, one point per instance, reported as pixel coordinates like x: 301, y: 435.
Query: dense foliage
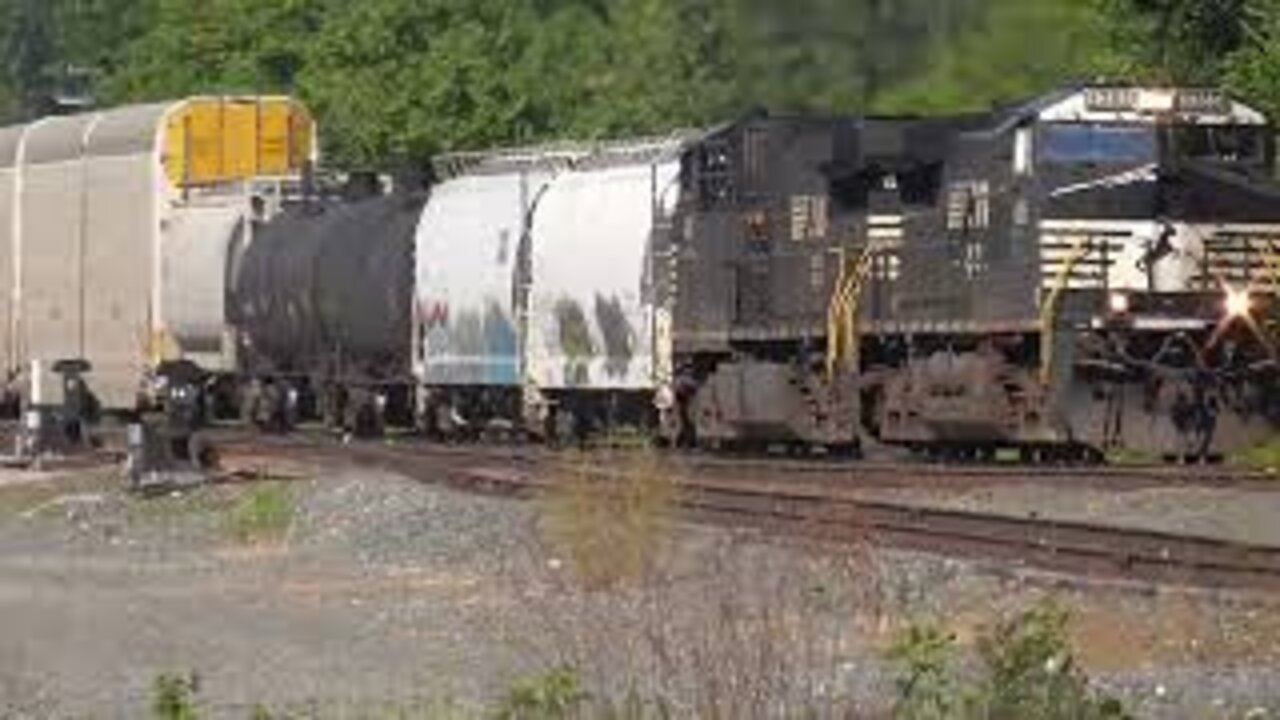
x: 406, y: 78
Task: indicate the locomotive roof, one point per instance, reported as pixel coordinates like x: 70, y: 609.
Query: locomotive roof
x: 1117, y: 102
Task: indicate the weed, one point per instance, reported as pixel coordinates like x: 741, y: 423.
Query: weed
x: 554, y: 696
x: 718, y: 627
x: 264, y: 514
x: 1263, y: 456
x: 173, y: 697
x: 608, y: 520
x: 1027, y: 671
x: 926, y: 689
x: 1129, y: 457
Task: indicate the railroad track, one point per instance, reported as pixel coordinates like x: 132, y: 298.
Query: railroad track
x: 860, y: 473
x: 802, y: 506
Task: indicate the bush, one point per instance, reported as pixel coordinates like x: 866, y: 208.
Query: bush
x: 554, y: 696
x: 173, y: 697
x: 608, y: 519
x: 1026, y: 670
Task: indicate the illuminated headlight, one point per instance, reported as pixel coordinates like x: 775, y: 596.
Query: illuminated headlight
x: 1238, y: 303
x: 1118, y: 303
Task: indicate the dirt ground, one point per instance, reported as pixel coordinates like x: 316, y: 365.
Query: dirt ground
x: 346, y: 593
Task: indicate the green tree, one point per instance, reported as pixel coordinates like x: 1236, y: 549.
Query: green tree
x: 30, y: 54
x: 1254, y: 69
x: 403, y: 79
x: 215, y: 46
x: 1014, y: 50
x: 1178, y: 41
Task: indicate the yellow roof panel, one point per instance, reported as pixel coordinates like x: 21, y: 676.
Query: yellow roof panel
x: 212, y: 140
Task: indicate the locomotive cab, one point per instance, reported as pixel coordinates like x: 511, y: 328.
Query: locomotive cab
x: 1157, y: 222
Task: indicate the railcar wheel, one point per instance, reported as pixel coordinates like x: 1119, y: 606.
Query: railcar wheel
x: 564, y: 427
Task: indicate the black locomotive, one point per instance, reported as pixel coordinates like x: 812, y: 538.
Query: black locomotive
x: 1093, y: 270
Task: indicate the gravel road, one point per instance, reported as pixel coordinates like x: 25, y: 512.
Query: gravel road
x: 382, y: 592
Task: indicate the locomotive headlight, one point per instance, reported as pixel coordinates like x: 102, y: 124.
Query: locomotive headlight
x: 1118, y: 303
x: 1238, y: 303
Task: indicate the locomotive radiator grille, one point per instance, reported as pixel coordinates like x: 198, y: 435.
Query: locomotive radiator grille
x: 1241, y: 259
x: 884, y: 236
x: 1088, y: 273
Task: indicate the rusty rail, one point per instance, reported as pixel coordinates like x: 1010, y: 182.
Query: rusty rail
x: 798, y: 505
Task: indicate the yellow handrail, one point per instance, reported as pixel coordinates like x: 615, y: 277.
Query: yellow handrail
x: 1049, y: 311
x: 842, y: 313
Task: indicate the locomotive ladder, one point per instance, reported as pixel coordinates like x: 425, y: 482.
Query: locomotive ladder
x: 1049, y: 310
x: 842, y: 315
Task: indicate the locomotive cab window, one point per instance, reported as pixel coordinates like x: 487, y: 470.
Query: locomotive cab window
x: 713, y: 171
x: 1099, y: 144
x: 1218, y: 143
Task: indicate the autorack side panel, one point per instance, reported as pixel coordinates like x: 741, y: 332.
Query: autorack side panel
x: 466, y: 259
x: 53, y: 239
x: 592, y: 305
x: 10, y: 139
x: 122, y: 225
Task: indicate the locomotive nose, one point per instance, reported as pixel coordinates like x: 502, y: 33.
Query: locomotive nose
x: 1196, y: 191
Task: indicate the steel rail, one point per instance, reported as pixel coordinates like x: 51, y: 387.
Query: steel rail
x: 819, y: 509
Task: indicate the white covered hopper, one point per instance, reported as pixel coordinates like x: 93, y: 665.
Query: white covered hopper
x: 592, y: 308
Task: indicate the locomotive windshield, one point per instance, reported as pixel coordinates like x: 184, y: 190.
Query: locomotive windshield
x: 1131, y: 144
x: 1222, y: 143
x: 1097, y: 143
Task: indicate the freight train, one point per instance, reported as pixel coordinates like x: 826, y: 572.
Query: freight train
x: 1093, y: 270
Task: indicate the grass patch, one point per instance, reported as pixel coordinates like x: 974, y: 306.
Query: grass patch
x: 1264, y: 456
x: 262, y: 515
x: 1128, y: 457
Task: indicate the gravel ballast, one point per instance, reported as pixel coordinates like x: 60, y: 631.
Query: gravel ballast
x: 387, y: 592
